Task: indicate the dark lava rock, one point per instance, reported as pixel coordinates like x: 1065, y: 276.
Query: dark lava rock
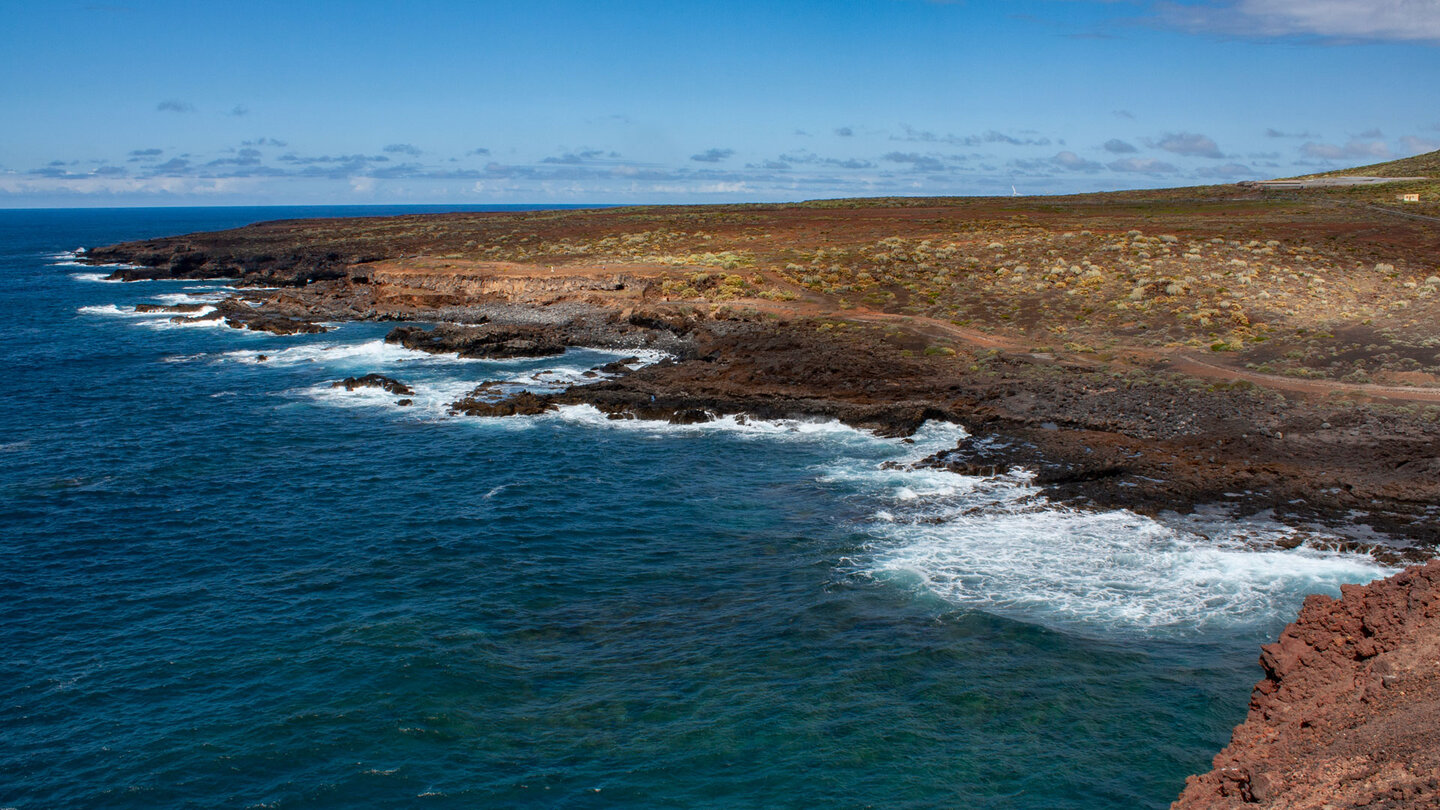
x: 992, y: 455
x: 375, y: 381
x: 241, y: 315
x: 523, y: 403
x: 278, y: 325
x: 621, y: 366
x: 489, y: 340
x: 404, y: 403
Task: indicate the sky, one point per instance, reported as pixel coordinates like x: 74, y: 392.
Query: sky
x: 134, y: 102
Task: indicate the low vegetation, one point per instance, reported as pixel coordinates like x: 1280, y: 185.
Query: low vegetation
x: 1340, y: 284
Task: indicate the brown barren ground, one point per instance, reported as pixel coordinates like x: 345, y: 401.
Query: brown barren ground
x: 1207, y: 345
x: 1264, y: 351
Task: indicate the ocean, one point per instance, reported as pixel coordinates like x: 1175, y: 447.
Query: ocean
x: 226, y: 583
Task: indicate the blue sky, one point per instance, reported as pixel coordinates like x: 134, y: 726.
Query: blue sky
x: 129, y: 102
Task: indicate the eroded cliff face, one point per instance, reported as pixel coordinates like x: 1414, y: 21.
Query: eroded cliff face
x: 1348, y: 714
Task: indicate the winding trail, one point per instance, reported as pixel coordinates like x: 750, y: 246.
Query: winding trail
x: 1196, y: 367
x: 1172, y: 360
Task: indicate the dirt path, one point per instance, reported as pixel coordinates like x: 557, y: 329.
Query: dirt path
x: 809, y: 304
x: 1178, y: 361
x: 1199, y: 368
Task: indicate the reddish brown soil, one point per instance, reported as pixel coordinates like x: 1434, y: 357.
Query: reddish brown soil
x: 1348, y: 714
x: 1088, y: 366
x: 1113, y: 415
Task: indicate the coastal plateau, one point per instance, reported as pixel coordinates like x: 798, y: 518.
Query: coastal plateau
x: 1253, y: 350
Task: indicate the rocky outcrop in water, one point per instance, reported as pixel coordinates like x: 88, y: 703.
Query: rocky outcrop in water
x: 175, y: 308
x: 1348, y: 714
x: 241, y: 315
x: 375, y: 381
x: 522, y: 403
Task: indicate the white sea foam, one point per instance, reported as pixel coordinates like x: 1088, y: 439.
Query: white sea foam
x: 996, y: 545
x: 201, y: 295
x: 430, y: 401
x: 116, y: 311
x: 782, y: 429
x: 378, y: 356
x: 102, y: 278
x: 372, y: 354
x: 156, y: 320
x: 70, y: 262
x: 188, y: 320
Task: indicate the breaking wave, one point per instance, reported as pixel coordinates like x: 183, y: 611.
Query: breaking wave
x: 995, y: 544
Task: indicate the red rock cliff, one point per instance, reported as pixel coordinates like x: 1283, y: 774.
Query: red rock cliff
x: 1348, y: 714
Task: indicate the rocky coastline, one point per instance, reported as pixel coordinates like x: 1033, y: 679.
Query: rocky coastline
x: 1135, y: 427
x: 1133, y: 433
x: 1348, y: 713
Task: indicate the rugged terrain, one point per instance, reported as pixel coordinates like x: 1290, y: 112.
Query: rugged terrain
x: 1268, y: 351
x: 1348, y: 714
x: 1154, y: 350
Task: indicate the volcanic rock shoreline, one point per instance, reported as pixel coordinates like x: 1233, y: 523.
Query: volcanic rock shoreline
x: 1127, y: 433
x: 1140, y: 426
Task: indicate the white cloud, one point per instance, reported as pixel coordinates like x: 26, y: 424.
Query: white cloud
x: 102, y: 184
x: 1356, y: 148
x: 1414, y: 146
x: 1188, y: 143
x: 1402, y: 20
x: 1073, y: 162
x: 1142, y: 166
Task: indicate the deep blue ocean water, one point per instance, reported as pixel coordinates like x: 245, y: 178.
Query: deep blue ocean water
x: 224, y: 583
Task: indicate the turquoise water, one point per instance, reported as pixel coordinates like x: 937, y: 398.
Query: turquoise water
x: 227, y: 584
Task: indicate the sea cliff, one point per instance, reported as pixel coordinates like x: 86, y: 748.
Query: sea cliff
x: 1348, y: 713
